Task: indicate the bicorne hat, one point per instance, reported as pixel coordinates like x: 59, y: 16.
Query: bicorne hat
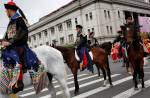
x: 79, y: 26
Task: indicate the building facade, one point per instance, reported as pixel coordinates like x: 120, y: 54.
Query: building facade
x: 103, y: 17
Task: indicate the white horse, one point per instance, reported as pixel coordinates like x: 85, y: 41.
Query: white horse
x: 53, y: 60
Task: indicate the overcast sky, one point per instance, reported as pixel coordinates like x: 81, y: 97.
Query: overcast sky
x: 33, y: 9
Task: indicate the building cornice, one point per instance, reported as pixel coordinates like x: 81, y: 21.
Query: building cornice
x: 77, y: 4
x: 62, y: 12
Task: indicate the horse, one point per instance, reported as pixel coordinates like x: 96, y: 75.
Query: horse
x: 100, y: 59
x: 53, y: 61
x: 136, y: 59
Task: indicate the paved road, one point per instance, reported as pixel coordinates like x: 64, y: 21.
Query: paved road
x: 91, y: 85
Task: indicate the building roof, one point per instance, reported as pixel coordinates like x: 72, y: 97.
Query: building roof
x: 45, y: 19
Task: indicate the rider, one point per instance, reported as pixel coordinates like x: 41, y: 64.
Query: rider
x: 15, y: 41
x: 132, y: 30
x: 81, y: 45
x: 92, y: 40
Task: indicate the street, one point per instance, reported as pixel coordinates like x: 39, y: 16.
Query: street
x: 91, y: 86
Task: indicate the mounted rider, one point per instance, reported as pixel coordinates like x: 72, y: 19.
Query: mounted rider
x: 132, y: 30
x: 81, y: 47
x: 92, y: 41
x: 16, y: 51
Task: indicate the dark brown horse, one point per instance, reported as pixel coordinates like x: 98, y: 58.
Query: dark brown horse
x: 136, y: 55
x: 100, y: 59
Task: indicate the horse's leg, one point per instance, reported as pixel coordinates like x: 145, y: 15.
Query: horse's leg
x: 142, y: 77
x: 61, y: 79
x: 135, y: 79
x: 98, y: 70
x: 75, y: 73
x: 109, y: 73
x: 51, y: 86
x: 109, y: 76
x: 104, y: 75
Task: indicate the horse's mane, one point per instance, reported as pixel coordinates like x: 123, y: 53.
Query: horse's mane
x: 66, y: 51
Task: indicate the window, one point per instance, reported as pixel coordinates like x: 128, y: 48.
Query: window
x: 62, y: 40
x: 109, y: 14
x: 91, y: 16
x: 76, y: 21
x: 89, y: 30
x: 34, y: 37
x: 111, y: 30
x: 39, y: 35
x: 87, y: 18
x: 47, y: 43
x: 119, y: 16
x: 71, y: 38
x: 105, y: 14
x: 45, y: 33
x: 93, y: 30
x: 52, y: 30
x: 69, y: 24
x: 107, y: 27
x: 60, y: 27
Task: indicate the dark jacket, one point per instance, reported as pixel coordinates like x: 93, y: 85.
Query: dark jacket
x: 17, y: 32
x: 92, y: 42
x: 81, y: 41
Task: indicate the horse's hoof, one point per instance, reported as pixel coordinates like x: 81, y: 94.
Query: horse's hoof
x: 104, y: 85
x: 143, y: 88
x: 111, y: 85
x: 136, y: 89
x: 76, y: 92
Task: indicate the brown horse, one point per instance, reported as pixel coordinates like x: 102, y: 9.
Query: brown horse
x: 136, y: 55
x: 100, y: 59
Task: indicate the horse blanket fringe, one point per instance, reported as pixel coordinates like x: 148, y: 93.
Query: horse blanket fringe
x: 40, y: 79
x: 8, y: 78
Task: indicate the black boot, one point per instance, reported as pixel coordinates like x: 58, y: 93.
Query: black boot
x: 18, y: 88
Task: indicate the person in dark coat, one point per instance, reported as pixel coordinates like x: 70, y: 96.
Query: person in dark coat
x: 15, y: 41
x: 92, y: 41
x: 81, y: 45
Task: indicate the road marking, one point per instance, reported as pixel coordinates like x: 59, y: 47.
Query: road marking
x: 94, y: 91
x: 79, y: 80
x: 70, y: 89
x: 146, y: 67
x: 30, y: 88
x: 81, y: 86
x: 147, y: 72
x: 72, y: 77
x: 130, y: 92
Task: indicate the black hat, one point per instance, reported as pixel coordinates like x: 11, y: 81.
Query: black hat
x: 11, y: 5
x: 79, y: 26
x: 91, y: 33
x: 123, y: 27
x: 119, y: 32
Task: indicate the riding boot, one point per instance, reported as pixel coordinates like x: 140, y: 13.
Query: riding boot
x: 19, y: 85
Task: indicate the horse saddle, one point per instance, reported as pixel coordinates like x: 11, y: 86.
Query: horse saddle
x: 78, y: 58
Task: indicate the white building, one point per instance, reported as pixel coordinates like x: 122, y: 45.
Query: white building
x: 104, y: 17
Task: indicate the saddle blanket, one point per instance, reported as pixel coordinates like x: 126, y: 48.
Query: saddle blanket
x: 78, y: 58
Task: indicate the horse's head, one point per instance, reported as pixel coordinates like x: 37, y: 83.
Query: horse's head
x: 107, y: 46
